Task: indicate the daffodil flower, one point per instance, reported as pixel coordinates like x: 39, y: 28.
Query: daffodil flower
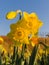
x: 32, y: 22
x: 21, y: 35
x: 28, y: 24
x: 13, y: 14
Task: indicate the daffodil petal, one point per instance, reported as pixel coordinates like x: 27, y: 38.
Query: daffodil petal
x: 33, y: 15
x: 25, y: 15
x: 11, y: 15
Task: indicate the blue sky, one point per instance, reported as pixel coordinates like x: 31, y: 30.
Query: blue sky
x: 41, y: 7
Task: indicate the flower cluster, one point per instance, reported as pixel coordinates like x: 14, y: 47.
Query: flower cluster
x: 26, y: 48
x: 27, y: 25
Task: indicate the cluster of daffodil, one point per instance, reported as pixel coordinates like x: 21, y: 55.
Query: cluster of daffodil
x: 24, y: 33
x: 29, y: 24
x: 2, y: 45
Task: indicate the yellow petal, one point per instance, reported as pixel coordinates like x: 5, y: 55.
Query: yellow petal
x: 11, y: 15
x: 25, y: 15
x: 33, y: 15
x: 40, y: 23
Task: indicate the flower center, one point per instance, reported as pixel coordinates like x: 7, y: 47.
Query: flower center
x: 19, y: 33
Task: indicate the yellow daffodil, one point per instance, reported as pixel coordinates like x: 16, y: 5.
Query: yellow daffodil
x: 21, y: 35
x: 32, y: 22
x: 12, y: 14
x: 28, y: 24
x: 30, y: 17
x: 20, y: 23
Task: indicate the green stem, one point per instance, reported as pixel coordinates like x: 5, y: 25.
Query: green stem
x: 33, y: 55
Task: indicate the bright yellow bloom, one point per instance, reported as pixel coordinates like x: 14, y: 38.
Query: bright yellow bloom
x: 30, y: 17
x: 23, y: 24
x: 32, y: 22
x: 12, y: 14
x: 29, y: 22
x: 21, y: 35
x: 20, y: 23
